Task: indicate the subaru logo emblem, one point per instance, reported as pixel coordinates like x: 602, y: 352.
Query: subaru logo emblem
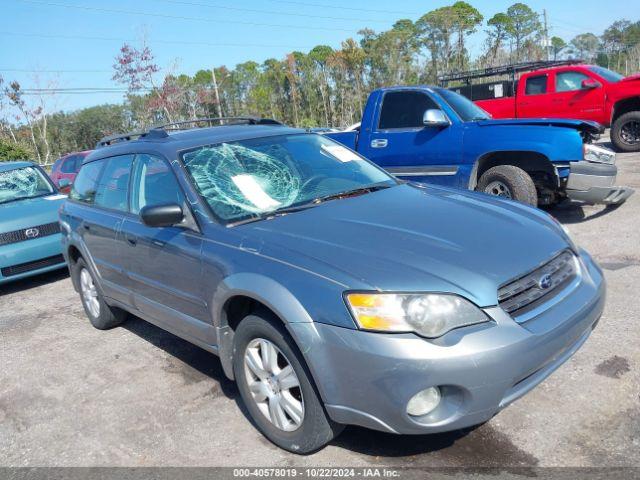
x: 31, y: 232
x: 545, y: 282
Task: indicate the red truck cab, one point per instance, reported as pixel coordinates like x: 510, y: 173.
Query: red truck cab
x: 66, y: 168
x: 578, y: 91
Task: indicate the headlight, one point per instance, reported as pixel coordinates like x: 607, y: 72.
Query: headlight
x: 594, y: 153
x: 430, y: 314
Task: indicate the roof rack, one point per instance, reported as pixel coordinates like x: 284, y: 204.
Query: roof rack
x: 160, y: 131
x: 511, y: 69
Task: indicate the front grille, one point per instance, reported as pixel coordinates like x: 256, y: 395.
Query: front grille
x: 33, y: 233
x: 519, y: 296
x: 30, y: 266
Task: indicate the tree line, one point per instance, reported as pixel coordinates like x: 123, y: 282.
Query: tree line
x: 322, y: 87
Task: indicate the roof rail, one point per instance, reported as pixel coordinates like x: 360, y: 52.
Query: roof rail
x: 160, y: 131
x: 221, y: 121
x: 510, y: 69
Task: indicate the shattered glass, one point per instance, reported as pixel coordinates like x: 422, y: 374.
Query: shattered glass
x: 22, y: 183
x: 256, y: 176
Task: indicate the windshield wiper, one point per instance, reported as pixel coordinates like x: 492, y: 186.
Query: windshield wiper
x: 310, y: 204
x: 24, y: 198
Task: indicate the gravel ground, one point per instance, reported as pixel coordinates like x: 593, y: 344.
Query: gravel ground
x: 71, y: 395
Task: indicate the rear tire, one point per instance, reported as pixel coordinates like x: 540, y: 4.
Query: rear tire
x: 625, y: 132
x: 509, y: 181
x: 101, y: 315
x: 300, y: 433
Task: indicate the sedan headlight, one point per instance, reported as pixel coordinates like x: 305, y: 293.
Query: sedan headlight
x: 428, y: 314
x: 596, y: 154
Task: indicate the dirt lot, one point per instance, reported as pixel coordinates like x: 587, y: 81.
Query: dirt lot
x: 71, y: 395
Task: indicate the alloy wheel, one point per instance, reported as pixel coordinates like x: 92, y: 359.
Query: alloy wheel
x: 274, y: 385
x: 630, y: 132
x: 89, y: 293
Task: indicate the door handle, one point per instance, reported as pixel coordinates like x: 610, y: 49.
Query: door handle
x: 379, y: 143
x: 85, y: 226
x: 131, y: 240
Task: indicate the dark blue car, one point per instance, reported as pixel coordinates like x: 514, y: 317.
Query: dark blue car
x: 333, y: 293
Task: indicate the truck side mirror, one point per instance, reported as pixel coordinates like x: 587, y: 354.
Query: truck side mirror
x: 435, y: 118
x: 590, y: 83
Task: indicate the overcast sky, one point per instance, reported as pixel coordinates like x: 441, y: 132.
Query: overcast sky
x: 80, y: 38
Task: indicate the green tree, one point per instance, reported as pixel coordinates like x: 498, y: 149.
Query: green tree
x: 523, y: 23
x: 557, y: 45
x: 14, y: 151
x: 466, y: 19
x: 585, y: 46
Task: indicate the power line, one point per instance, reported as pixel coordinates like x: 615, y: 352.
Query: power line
x: 269, y: 12
x: 21, y: 70
x: 180, y: 17
x: 167, y: 42
x: 342, y: 7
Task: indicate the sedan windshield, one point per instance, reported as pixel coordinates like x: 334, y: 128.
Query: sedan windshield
x: 256, y: 178
x: 21, y: 183
x: 465, y: 108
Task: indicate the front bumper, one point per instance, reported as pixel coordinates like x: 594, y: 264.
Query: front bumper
x: 594, y: 183
x: 30, y: 257
x: 367, y: 378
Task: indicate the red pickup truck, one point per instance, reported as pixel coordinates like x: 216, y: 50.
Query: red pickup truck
x: 578, y: 91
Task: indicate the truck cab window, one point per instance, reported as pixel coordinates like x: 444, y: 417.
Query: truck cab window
x: 404, y: 109
x: 536, y: 85
x: 569, y: 81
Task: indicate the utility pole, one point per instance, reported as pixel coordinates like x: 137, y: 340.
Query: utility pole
x: 547, y: 42
x: 215, y: 92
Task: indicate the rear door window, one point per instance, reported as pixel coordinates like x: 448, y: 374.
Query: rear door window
x: 536, y: 85
x: 404, y: 109
x: 86, y: 183
x: 113, y: 187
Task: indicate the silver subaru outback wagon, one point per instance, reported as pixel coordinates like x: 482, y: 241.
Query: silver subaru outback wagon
x: 332, y: 293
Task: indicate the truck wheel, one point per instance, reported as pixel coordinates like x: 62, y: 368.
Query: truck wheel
x: 510, y: 182
x: 101, y: 315
x: 625, y: 132
x: 277, y: 389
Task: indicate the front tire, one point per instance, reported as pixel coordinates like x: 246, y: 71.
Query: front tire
x: 625, y: 132
x: 277, y: 389
x: 101, y: 315
x: 509, y: 181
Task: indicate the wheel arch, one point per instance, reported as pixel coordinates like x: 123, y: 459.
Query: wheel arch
x: 627, y: 105
x: 246, y: 293
x: 529, y: 161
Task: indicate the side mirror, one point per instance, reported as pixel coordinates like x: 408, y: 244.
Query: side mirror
x: 64, y: 185
x: 435, y: 118
x: 162, y: 215
x: 590, y: 83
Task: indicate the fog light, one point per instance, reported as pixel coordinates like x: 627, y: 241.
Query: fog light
x: 424, y: 402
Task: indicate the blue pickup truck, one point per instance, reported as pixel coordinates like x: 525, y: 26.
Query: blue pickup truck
x: 430, y: 134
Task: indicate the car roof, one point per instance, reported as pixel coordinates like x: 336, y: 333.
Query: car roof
x: 6, y: 166
x: 175, y: 141
x: 561, y: 68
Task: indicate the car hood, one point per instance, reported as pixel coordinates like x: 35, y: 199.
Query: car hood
x: 580, y: 125
x: 631, y: 78
x: 30, y: 212
x: 415, y: 238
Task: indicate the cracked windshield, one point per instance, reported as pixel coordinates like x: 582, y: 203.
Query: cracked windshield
x: 22, y: 183
x: 258, y: 177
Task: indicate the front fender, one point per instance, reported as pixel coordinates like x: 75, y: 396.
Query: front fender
x: 263, y: 289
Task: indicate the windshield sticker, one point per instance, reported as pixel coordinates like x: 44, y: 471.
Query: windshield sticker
x: 341, y: 153
x: 254, y: 192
